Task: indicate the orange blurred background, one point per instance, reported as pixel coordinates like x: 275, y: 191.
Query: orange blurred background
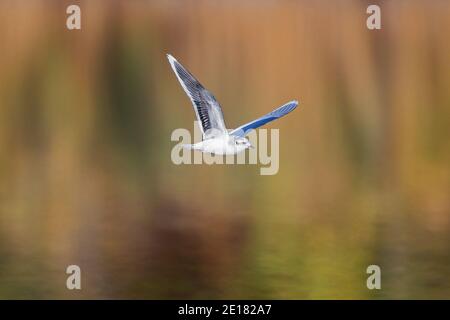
x: 86, y: 176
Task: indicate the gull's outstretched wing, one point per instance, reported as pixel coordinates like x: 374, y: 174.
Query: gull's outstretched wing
x: 275, y: 114
x: 206, y: 107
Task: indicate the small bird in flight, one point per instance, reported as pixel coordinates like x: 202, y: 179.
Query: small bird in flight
x: 216, y: 138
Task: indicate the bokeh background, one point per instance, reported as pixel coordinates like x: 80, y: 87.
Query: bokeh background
x: 86, y: 176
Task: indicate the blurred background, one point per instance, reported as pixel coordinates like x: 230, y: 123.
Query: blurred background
x: 86, y: 176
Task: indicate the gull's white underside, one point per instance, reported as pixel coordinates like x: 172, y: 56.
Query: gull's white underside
x: 222, y: 145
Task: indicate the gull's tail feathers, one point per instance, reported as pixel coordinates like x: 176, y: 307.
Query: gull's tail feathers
x: 187, y: 146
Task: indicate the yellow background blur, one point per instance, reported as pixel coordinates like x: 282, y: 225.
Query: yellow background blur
x: 86, y: 176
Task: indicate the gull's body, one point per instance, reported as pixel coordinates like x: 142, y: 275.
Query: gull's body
x: 221, y: 145
x: 216, y: 138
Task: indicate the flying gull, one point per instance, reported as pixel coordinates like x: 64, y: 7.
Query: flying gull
x: 216, y: 138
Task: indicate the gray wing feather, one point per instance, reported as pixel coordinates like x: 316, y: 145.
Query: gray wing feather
x: 206, y: 107
x: 243, y: 130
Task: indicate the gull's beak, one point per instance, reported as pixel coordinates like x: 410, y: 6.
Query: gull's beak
x: 250, y: 146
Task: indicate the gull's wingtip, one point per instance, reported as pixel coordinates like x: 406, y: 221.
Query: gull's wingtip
x: 292, y: 104
x: 170, y: 57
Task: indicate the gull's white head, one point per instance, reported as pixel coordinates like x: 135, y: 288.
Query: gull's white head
x: 242, y: 142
